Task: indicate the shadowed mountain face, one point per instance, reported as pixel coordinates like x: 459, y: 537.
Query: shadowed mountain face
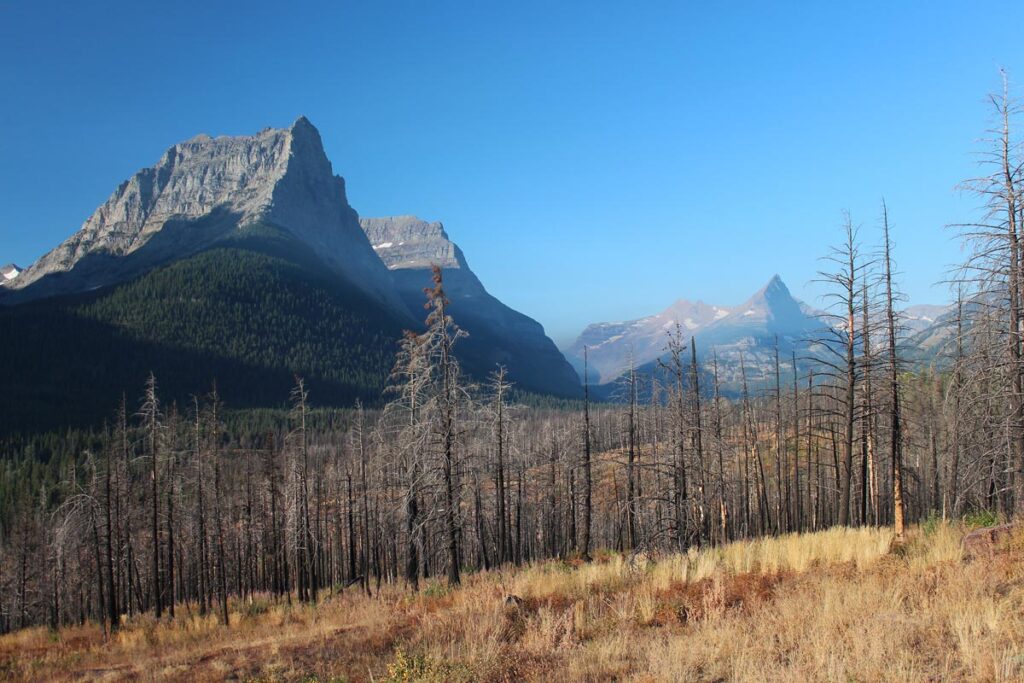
x: 250, y: 313
x: 497, y: 334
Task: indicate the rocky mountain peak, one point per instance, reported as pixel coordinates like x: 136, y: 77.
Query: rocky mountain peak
x: 771, y: 303
x: 411, y: 242
x: 770, y: 312
x: 201, y: 190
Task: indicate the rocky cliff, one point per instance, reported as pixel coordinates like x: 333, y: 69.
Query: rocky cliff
x: 201, y: 190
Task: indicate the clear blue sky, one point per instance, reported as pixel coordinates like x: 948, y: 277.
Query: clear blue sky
x: 594, y: 160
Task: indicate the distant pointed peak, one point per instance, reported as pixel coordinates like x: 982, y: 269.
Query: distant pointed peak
x: 774, y: 287
x: 302, y: 123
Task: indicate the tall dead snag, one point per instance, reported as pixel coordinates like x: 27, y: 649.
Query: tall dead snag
x: 362, y: 452
x: 587, y: 473
x: 895, y: 416
x: 993, y: 276
x: 441, y: 335
x: 150, y: 413
x: 409, y: 379
x: 676, y: 347
x: 205, y: 588
x: 869, y: 498
x: 697, y: 440
x: 752, y: 449
x: 170, y: 484
x: 306, y: 570
x: 723, y: 516
x: 781, y: 505
x: 218, y: 504
x: 499, y: 393
x: 842, y: 340
x: 631, y: 507
x: 108, y: 509
x: 797, y: 503
x: 956, y: 388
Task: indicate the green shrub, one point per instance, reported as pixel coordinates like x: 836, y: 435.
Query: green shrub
x: 253, y: 609
x: 980, y: 518
x: 931, y: 523
x: 417, y: 668
x: 436, y: 589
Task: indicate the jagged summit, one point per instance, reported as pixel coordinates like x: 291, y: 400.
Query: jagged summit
x: 773, y: 304
x: 411, y: 242
x: 199, y: 191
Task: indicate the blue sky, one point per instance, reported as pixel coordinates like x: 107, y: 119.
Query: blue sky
x: 596, y: 161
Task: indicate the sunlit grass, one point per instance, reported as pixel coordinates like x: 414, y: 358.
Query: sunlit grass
x: 841, y: 604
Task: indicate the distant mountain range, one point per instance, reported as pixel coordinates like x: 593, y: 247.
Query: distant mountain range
x: 920, y: 317
x: 746, y: 334
x: 750, y: 328
x: 240, y: 259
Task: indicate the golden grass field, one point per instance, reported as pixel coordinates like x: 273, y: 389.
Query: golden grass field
x: 838, y: 605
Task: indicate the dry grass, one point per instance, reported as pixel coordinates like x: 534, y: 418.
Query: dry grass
x: 835, y: 605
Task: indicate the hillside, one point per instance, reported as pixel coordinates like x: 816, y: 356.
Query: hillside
x: 498, y: 334
x: 250, y: 313
x: 738, y: 613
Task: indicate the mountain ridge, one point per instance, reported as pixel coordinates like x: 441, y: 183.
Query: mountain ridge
x: 199, y: 192
x: 173, y: 274
x: 497, y: 334
x: 744, y: 334
x: 611, y: 347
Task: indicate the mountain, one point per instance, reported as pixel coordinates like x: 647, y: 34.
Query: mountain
x: 9, y: 272
x: 771, y: 312
x: 250, y: 312
x: 240, y: 260
x: 751, y: 331
x: 409, y: 247
x: 750, y: 328
x: 920, y: 317
x: 611, y: 345
x: 200, y: 192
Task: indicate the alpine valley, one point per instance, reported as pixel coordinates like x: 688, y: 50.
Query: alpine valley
x: 239, y: 260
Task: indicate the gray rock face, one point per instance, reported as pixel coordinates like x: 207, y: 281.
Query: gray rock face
x: 498, y: 334
x: 204, y: 188
x: 404, y: 242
